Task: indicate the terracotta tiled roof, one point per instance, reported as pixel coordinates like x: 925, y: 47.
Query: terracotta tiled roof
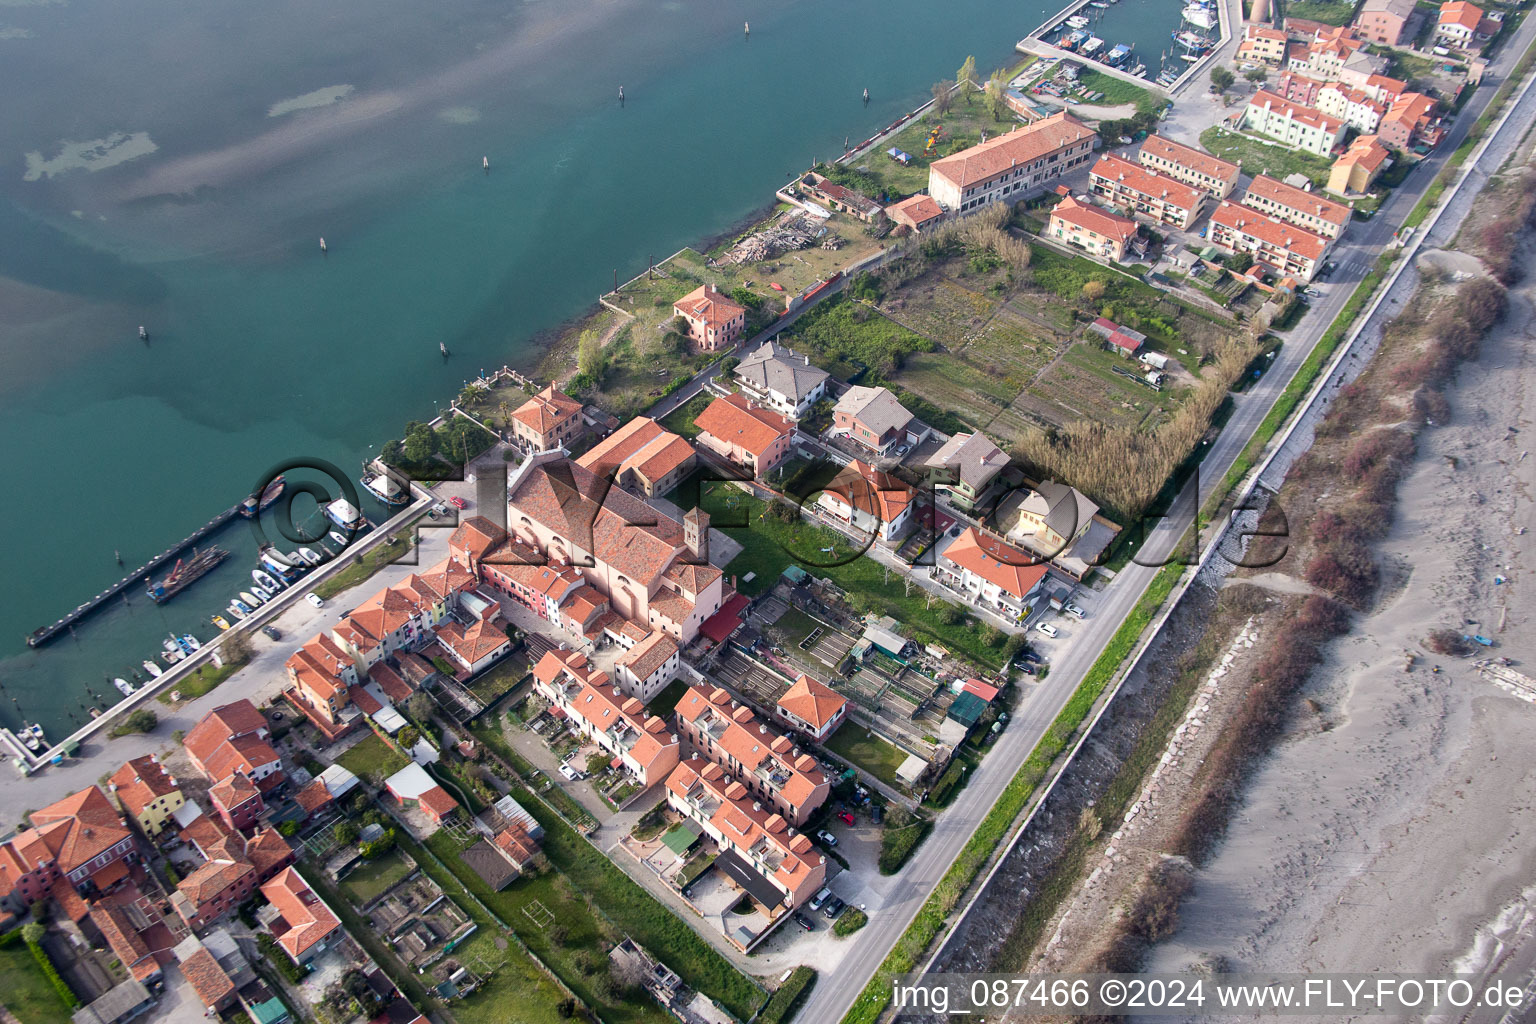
x: 752, y: 744
x: 1459, y: 12
x: 1249, y: 221
x: 1367, y: 151
x: 266, y: 850
x: 735, y: 420
x: 517, y: 844
x: 1308, y: 203
x: 649, y: 654
x: 73, y: 831
x: 207, y: 978
x: 919, y: 209
x: 1023, y: 145
x: 204, y: 832
x: 140, y: 782
x: 390, y: 681
x: 124, y: 940
x: 437, y: 802
x: 313, y: 796
x: 547, y: 410
x: 693, y: 579
x: 243, y: 754
x: 68, y: 900
x: 220, y: 724
x: 1127, y: 175
x: 478, y: 641
x: 476, y: 536
x: 995, y: 562
x: 1295, y: 111
x: 213, y: 877
x: 307, y: 920
x: 811, y: 702
x: 233, y: 791
x: 745, y: 828
x: 1411, y: 107
x: 709, y: 305
x: 1092, y: 218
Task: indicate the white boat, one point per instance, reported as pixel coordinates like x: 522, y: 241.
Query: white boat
x: 266, y: 581
x: 340, y: 538
x: 1092, y: 46
x: 344, y: 514
x: 262, y: 592
x: 1189, y: 57
x: 123, y: 685
x: 189, y: 643
x: 1078, y: 21
x: 26, y: 736
x: 234, y: 610
x: 151, y: 667
x: 309, y: 555
x: 386, y: 489
x: 1200, y: 16
x: 250, y: 598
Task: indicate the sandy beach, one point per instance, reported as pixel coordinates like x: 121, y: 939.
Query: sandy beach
x: 1400, y: 839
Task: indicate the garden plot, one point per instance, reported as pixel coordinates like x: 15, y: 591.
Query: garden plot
x: 1081, y: 386
x: 942, y: 308
x: 954, y: 385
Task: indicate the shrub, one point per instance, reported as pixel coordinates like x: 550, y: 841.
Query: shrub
x: 1482, y: 303
x: 1343, y: 570
x: 851, y: 921
x: 900, y: 837
x: 788, y: 997
x: 944, y: 789
x: 1449, y: 643
x: 60, y: 986
x: 142, y: 720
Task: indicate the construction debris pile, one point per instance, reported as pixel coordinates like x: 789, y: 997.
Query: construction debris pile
x: 795, y: 230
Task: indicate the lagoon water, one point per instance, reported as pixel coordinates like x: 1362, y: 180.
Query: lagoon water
x: 175, y: 165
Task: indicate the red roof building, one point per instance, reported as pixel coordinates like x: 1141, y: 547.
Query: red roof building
x: 744, y: 433
x: 550, y: 419
x: 714, y: 321
x: 1284, y: 248
x: 1097, y: 232
x: 306, y: 925
x: 80, y: 839
x: 992, y: 574
x: 234, y: 867
x: 641, y: 744
x: 642, y: 455
x: 812, y: 707
x: 147, y: 793
x: 126, y: 943
x: 237, y: 801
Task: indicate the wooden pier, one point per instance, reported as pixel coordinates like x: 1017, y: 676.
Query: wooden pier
x: 41, y: 636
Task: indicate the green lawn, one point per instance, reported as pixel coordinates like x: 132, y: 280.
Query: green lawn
x: 680, y: 420
x: 1117, y: 90
x: 769, y: 546
x: 797, y: 625
x: 371, y: 757
x: 500, y: 678
x: 372, y: 879
x: 875, y: 173
x: 860, y: 747
x: 1266, y: 156
x: 1325, y: 11
x: 369, y: 563
x: 665, y: 702
x: 203, y: 680
x: 25, y: 991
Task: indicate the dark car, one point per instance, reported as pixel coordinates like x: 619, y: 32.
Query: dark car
x: 877, y: 813
x: 271, y: 632
x: 834, y: 907
x: 804, y: 922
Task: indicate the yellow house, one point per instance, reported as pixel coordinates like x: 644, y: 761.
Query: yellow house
x: 1048, y: 518
x: 1357, y: 170
x: 147, y: 793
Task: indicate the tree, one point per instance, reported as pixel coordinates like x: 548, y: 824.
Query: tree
x: 408, y: 737
x: 236, y: 648
x: 346, y: 833
x: 1257, y: 75
x: 32, y: 933
x: 997, y: 100
x: 420, y: 707
x: 142, y: 720
x: 597, y: 762
x: 590, y: 357
x: 1094, y: 290
x: 1014, y: 646
x: 943, y: 97
x: 1221, y: 79
x: 967, y: 74
x: 420, y: 442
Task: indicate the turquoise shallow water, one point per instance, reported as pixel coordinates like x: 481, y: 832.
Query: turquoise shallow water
x: 262, y: 348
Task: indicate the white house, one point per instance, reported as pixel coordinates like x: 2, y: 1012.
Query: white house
x: 782, y: 380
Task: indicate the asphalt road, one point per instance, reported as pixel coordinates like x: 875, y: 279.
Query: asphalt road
x: 1074, y: 652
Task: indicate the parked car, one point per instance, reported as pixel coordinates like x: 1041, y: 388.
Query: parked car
x: 315, y: 599
x: 827, y: 837
x: 845, y: 817
x: 877, y: 813
x: 819, y: 899
x: 458, y: 502
x: 1075, y: 611
x: 834, y: 907
x: 804, y: 922
x: 1046, y: 628
x: 271, y: 632
x: 570, y: 773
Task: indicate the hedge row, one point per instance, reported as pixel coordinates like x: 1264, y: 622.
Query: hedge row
x: 914, y: 942
x: 66, y: 994
x: 789, y: 996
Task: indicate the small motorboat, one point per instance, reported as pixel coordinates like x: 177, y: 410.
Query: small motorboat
x: 266, y: 581
x: 124, y: 686
x: 221, y: 622
x: 32, y: 742
x: 262, y: 593
x: 311, y: 556
x: 1077, y: 21
x: 152, y: 668
x: 243, y: 606
x: 250, y: 598
x: 340, y: 538
x: 189, y: 643
x: 235, y: 611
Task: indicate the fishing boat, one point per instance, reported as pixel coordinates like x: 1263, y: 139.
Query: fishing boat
x: 152, y: 668
x: 251, y: 506
x: 1192, y: 41
x: 265, y: 581
x: 310, y: 555
x: 263, y: 593
x: 124, y: 686
x: 221, y: 622
x: 1140, y: 71
x: 344, y: 514
x: 386, y: 489
x: 1078, y: 21
x: 1119, y: 55
x: 250, y: 598
x: 184, y: 572
x: 241, y: 606
x: 1073, y: 40
x: 1092, y: 46
x: 280, y: 566
x: 1199, y: 16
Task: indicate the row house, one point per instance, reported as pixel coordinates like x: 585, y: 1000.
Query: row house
x: 746, y: 434
x: 1262, y: 44
x: 1097, y: 232
x: 1319, y: 215
x: 812, y: 707
x: 550, y: 419
x: 643, y: 456
x: 1136, y: 189
x: 767, y: 762
x: 80, y: 840
x: 778, y: 378
x: 870, y: 503
x: 1384, y: 22
x: 1412, y: 120
x: 967, y: 469
x: 147, y: 793
x: 237, y: 801
x: 1288, y: 250
x: 1189, y: 165
x: 1299, y: 127
x: 304, y: 925
x: 618, y: 724
x: 234, y: 867
x: 645, y: 669
x: 123, y: 938
x: 1298, y: 88
x: 994, y: 575
x: 652, y: 569
x: 1353, y: 106
x: 766, y: 844
x: 1006, y: 168
x: 1381, y: 88
x: 233, y: 740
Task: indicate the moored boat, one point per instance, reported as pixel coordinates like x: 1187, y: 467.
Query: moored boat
x: 385, y: 488
x: 1200, y: 16
x: 183, y: 573
x: 261, y: 592
x: 311, y: 556
x: 189, y: 643
x: 124, y: 686
x: 1092, y: 46
x: 32, y: 742
x: 221, y: 622
x: 340, y: 538
x: 235, y: 612
x: 250, y: 598
x: 344, y: 514
x: 251, y: 506
x: 151, y: 667
x: 1077, y: 21
x: 265, y: 580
